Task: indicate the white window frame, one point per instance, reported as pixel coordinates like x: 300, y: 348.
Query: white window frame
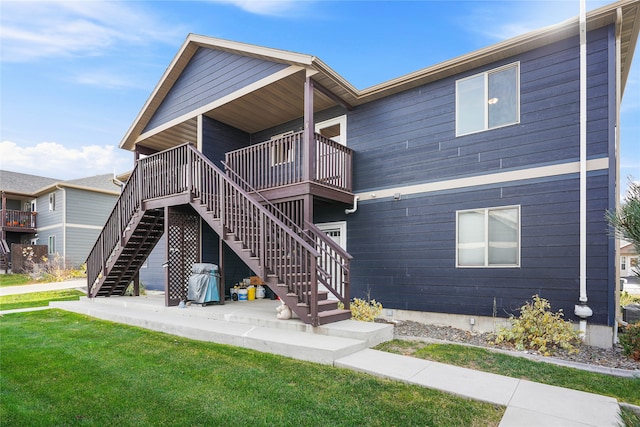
x: 52, y: 201
x: 52, y: 245
x: 341, y: 120
x: 486, y: 96
x: 340, y: 225
x: 623, y: 263
x: 280, y: 154
x: 486, y: 237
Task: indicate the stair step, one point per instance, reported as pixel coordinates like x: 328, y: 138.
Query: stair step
x: 331, y: 316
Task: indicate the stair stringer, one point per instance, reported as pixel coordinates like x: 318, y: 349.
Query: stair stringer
x: 134, y: 239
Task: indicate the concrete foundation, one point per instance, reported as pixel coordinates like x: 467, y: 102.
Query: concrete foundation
x: 597, y: 335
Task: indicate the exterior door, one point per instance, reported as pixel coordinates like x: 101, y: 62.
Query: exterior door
x: 337, y: 231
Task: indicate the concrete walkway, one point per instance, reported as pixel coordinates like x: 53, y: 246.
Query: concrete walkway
x: 348, y: 345
x: 41, y: 287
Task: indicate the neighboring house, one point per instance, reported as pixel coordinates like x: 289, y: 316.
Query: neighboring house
x: 629, y: 260
x: 67, y: 216
x: 456, y: 189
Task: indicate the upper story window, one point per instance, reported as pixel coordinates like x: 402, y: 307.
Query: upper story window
x: 488, y: 100
x: 488, y: 237
x: 52, y: 201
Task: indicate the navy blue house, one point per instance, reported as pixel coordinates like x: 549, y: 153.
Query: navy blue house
x: 452, y: 194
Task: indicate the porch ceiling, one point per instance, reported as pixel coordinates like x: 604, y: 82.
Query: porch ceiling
x: 266, y: 107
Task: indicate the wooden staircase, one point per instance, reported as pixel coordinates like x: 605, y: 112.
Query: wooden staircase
x: 139, y: 238
x: 291, y: 265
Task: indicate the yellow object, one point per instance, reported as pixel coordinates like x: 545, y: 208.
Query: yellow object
x: 251, y: 293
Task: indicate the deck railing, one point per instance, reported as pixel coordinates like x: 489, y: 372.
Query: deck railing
x: 280, y: 162
x: 19, y: 219
x: 334, y: 264
x: 185, y: 170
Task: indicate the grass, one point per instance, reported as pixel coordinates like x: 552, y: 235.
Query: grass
x: 629, y: 418
x: 623, y: 389
x: 15, y: 280
x: 38, y: 299
x: 61, y: 368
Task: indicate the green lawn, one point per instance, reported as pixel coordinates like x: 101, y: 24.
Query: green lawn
x: 38, y: 299
x: 15, y: 280
x: 623, y: 389
x: 60, y: 368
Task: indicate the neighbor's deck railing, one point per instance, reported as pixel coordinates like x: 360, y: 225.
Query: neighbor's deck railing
x: 19, y: 219
x: 280, y: 162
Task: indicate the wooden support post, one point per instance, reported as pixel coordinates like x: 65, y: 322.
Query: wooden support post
x: 221, y: 287
x: 167, y: 264
x: 136, y: 284
x: 309, y: 129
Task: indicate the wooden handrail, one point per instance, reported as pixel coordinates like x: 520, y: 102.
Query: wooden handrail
x: 279, y: 162
x: 185, y: 170
x: 333, y: 258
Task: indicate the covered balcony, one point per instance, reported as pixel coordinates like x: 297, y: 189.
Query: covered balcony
x: 19, y: 221
x: 281, y: 168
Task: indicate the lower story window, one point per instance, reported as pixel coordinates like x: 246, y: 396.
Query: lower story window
x: 52, y: 245
x: 488, y: 237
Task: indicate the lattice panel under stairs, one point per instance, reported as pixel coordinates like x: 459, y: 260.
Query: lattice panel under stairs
x: 183, y: 251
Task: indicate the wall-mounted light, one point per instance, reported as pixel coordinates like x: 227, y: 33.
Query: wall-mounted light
x: 396, y: 196
x: 492, y: 101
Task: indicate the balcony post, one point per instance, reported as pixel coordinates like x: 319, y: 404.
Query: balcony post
x: 309, y: 159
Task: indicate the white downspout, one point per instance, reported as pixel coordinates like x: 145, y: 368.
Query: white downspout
x: 582, y: 310
x: 355, y: 206
x: 64, y: 221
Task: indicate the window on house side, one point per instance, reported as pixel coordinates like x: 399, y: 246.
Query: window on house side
x: 623, y: 263
x: 52, y: 245
x: 488, y: 100
x: 488, y: 237
x: 52, y: 201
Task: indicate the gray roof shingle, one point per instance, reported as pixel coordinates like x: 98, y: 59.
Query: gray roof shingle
x: 22, y: 183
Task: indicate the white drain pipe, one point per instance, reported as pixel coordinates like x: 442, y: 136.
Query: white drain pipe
x: 582, y: 310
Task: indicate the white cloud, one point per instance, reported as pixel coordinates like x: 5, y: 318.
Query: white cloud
x: 503, y: 20
x: 266, y: 7
x: 45, y: 29
x: 52, y: 159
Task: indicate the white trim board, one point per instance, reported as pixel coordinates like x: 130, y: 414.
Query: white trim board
x: 488, y: 179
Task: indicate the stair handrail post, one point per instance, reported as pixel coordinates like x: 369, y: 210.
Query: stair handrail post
x: 189, y: 175
x: 263, y: 244
x: 138, y: 171
x: 314, y: 291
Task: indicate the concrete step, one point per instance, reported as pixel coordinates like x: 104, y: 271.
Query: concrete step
x: 259, y: 312
x: 238, y: 324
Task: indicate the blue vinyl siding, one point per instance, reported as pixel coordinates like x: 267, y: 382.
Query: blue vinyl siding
x: 404, y: 251
x: 88, y: 207
x: 219, y: 138
x: 410, y: 137
x: 210, y: 75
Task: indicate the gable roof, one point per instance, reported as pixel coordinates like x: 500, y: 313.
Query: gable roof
x: 336, y: 90
x: 33, y: 185
x: 22, y: 183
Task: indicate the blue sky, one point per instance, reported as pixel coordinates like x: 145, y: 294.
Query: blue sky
x: 74, y: 75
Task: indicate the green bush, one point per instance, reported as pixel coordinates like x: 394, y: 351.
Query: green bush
x: 630, y: 340
x: 626, y: 298
x: 539, y: 329
x: 364, y: 310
